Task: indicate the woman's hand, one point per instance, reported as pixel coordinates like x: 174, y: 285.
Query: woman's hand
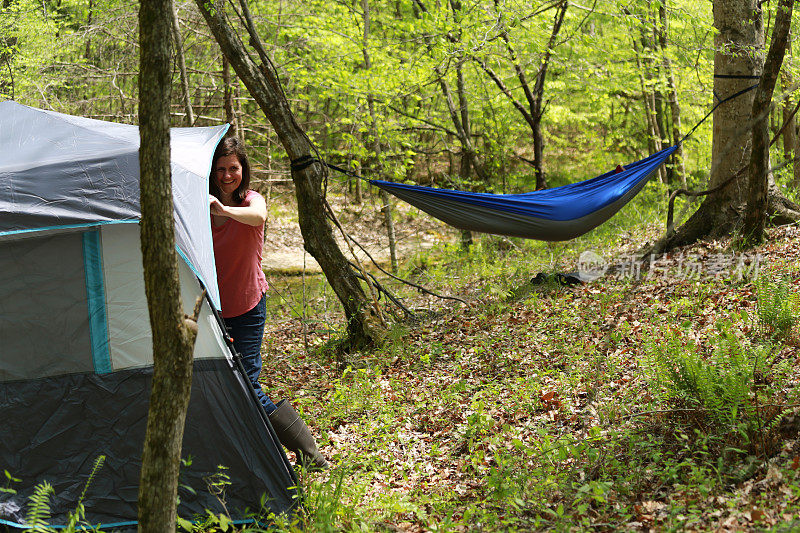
x: 254, y: 214
x: 217, y: 208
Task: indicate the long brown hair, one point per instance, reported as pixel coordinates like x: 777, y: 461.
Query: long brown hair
x: 231, y: 146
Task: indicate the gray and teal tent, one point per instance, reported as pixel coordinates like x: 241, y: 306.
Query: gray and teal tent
x: 75, y: 341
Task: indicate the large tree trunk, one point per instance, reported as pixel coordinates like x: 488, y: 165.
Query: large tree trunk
x: 173, y: 337
x: 364, y: 325
x: 740, y: 35
x: 758, y: 170
x: 737, y: 65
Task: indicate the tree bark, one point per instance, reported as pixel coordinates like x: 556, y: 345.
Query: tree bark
x: 534, y: 96
x: 364, y: 325
x: 227, y: 91
x: 740, y: 32
x: 386, y: 208
x: 88, y: 52
x: 537, y: 108
x: 737, y: 61
x: 791, y: 149
x: 185, y: 94
x: 755, y: 218
x: 648, y: 98
x: 739, y: 39
x: 173, y: 336
x: 469, y: 159
x: 674, y: 104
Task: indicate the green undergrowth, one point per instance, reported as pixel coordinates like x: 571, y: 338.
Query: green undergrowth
x: 646, y: 400
x: 661, y: 401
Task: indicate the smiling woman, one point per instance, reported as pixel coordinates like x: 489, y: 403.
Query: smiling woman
x: 237, y: 225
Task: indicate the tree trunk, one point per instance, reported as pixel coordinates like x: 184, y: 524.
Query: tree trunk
x: 791, y: 150
x: 376, y: 146
x: 537, y: 108
x: 641, y: 46
x: 674, y: 105
x: 755, y: 218
x: 738, y: 41
x: 468, y: 157
x: 178, y: 40
x: 534, y: 96
x: 173, y: 337
x: 88, y: 52
x: 227, y: 92
x: 364, y: 325
x: 739, y: 38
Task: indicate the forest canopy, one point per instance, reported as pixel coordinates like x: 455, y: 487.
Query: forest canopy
x: 605, y: 99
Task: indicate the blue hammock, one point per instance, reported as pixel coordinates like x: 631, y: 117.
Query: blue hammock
x: 556, y: 214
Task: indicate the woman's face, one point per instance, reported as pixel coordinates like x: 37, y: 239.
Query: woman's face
x: 228, y: 174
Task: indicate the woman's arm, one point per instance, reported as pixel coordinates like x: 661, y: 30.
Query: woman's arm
x: 254, y: 214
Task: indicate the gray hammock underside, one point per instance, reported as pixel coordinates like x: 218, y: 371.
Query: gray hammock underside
x: 485, y: 220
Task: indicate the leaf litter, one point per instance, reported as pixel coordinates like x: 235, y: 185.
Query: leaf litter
x: 542, y: 413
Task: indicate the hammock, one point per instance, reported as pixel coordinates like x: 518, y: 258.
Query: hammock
x: 556, y: 214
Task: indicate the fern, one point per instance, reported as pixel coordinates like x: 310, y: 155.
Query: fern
x: 778, y: 305
x: 776, y: 420
x: 78, y: 516
x: 39, y: 507
x: 719, y: 382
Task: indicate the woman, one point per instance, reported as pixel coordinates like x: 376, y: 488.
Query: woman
x: 238, y: 214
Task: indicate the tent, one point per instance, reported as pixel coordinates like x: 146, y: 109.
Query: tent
x: 75, y: 340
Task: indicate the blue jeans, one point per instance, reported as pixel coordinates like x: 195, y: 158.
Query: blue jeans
x: 247, y: 331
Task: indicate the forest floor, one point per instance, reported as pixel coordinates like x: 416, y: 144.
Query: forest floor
x: 657, y: 399
x: 283, y: 243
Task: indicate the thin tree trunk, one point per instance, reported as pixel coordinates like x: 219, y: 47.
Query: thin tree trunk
x: 534, y: 97
x: 364, y: 324
x: 755, y: 218
x: 227, y: 92
x: 674, y: 105
x: 173, y: 336
x: 88, y: 52
x: 642, y: 46
x: 239, y: 114
x: 376, y: 146
x: 359, y: 195
x: 176, y: 36
x: 791, y: 149
x: 468, y: 157
x: 537, y: 109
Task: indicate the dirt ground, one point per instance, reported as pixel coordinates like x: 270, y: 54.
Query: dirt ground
x: 283, y: 243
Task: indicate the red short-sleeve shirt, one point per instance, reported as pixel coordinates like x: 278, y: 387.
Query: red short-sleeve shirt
x: 237, y: 253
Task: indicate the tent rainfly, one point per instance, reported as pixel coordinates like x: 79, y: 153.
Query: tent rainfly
x: 75, y: 341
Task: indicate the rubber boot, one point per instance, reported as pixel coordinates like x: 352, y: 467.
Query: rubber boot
x: 295, y: 435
